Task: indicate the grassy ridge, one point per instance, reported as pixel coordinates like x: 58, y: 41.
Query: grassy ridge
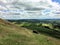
x: 11, y: 34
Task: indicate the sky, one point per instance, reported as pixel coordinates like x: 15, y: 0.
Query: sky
x: 56, y: 1
x: 30, y: 9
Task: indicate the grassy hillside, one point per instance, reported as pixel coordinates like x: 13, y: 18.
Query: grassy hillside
x: 11, y: 34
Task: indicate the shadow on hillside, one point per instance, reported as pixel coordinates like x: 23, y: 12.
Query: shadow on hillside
x: 49, y: 32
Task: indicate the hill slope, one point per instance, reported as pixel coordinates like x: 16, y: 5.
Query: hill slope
x: 10, y: 34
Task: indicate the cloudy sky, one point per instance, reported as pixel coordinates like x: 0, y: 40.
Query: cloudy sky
x: 30, y: 9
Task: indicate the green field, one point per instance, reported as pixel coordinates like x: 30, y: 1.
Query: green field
x: 21, y: 33
x: 51, y: 28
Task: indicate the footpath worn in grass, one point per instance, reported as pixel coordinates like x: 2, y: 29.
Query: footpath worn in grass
x: 10, y: 34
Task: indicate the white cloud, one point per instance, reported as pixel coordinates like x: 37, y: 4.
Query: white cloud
x: 36, y: 9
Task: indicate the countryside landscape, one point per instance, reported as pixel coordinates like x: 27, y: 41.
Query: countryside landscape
x: 29, y: 32
x: 29, y: 22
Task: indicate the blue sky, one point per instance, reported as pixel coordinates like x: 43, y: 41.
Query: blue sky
x: 56, y: 1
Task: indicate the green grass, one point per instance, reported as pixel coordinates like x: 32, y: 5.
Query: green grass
x: 11, y: 34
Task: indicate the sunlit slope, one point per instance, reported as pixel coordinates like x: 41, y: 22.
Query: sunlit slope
x: 10, y: 34
x: 13, y: 35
